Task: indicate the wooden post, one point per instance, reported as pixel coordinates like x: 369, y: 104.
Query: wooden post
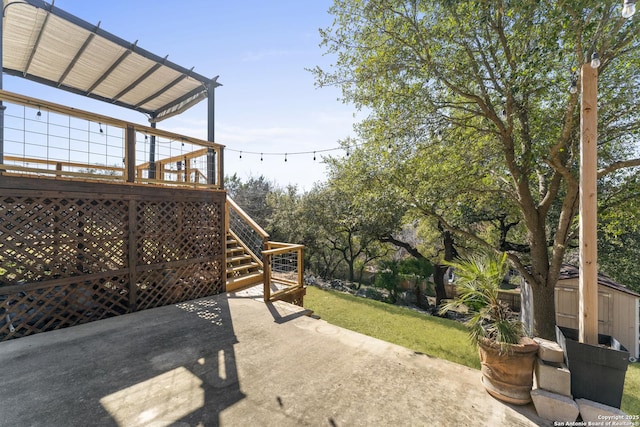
x: 220, y: 168
x: 130, y: 154
x: 266, y: 276
x: 132, y: 259
x: 588, y: 282
x: 301, y: 266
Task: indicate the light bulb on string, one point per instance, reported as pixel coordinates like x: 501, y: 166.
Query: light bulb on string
x: 39, y: 114
x: 314, y: 156
x: 241, y: 154
x: 285, y: 157
x: 573, y: 88
x: 261, y: 158
x: 100, y: 127
x: 595, y: 60
x: 628, y: 8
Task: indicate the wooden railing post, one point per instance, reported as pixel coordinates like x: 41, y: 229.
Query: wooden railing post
x: 130, y: 154
x: 220, y: 168
x: 266, y: 271
x: 301, y: 266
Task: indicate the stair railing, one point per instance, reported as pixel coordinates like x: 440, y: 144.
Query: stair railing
x: 246, y: 231
x: 282, y: 263
x: 283, y: 271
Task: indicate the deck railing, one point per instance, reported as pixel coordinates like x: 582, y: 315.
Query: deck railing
x: 283, y: 270
x: 50, y: 140
x: 246, y: 231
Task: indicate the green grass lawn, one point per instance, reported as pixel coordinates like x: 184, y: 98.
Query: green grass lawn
x: 443, y: 338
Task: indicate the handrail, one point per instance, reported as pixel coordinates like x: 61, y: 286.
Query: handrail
x: 282, y: 250
x: 244, y: 229
x: 247, y: 218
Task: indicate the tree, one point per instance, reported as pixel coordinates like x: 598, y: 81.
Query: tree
x: 286, y: 222
x: 472, y: 98
x: 619, y: 237
x: 251, y: 196
x: 341, y: 228
x: 373, y: 182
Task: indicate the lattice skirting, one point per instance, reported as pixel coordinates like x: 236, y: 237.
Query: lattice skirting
x: 74, y: 252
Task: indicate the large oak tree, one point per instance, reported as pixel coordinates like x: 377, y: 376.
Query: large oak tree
x: 471, y: 121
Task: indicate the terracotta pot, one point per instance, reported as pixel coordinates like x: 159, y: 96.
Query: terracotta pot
x: 508, y: 376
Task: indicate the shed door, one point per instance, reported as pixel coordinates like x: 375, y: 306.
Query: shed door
x: 567, y: 309
x: 605, y: 312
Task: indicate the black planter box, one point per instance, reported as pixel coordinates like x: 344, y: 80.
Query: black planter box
x: 597, y: 372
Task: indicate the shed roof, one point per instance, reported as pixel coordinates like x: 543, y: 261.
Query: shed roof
x: 46, y: 44
x: 568, y: 271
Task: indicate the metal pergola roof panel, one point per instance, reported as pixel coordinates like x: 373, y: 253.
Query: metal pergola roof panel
x: 48, y: 45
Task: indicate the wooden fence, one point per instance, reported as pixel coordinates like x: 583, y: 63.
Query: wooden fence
x: 74, y: 252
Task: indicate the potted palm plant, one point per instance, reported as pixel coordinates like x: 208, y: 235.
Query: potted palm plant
x: 507, y: 355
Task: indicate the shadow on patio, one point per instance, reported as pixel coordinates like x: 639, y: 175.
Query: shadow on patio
x: 233, y: 360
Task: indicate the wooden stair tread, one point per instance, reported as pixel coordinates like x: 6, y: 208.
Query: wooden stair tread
x: 237, y: 268
x: 238, y: 258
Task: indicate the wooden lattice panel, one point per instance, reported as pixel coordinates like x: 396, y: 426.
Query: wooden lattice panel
x: 65, y: 251
x: 55, y: 307
x: 171, y: 231
x: 44, y: 238
x: 170, y: 286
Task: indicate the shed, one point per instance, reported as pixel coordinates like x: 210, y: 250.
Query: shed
x: 618, y: 312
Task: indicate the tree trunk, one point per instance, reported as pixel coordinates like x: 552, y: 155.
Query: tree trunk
x: 544, y: 311
x: 352, y: 275
x: 440, y: 271
x: 421, y: 298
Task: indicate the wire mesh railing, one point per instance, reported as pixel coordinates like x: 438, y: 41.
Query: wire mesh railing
x: 53, y: 141
x: 246, y: 231
x: 283, y: 270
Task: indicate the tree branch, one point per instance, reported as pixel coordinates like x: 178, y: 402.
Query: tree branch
x: 617, y: 166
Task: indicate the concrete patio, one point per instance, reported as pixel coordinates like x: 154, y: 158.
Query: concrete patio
x: 232, y: 360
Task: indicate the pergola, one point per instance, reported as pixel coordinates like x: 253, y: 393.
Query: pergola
x: 45, y: 44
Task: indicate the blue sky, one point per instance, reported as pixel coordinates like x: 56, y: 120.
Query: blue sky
x: 268, y: 102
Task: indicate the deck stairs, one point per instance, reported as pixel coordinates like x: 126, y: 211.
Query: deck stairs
x: 253, y: 259
x: 242, y: 269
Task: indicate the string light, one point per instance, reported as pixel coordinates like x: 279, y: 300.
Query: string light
x: 100, y: 127
x: 241, y: 154
x: 595, y: 60
x: 285, y: 157
x: 628, y: 8
x: 261, y: 158
x: 314, y: 156
x: 573, y: 88
x: 39, y: 113
x: 297, y: 153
